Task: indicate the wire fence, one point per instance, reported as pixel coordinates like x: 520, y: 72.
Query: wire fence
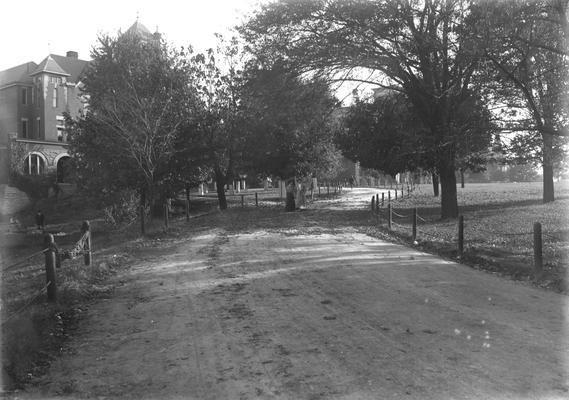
x: 27, y: 267
x: 533, y: 243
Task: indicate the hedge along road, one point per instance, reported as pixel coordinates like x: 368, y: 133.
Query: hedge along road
x: 263, y: 304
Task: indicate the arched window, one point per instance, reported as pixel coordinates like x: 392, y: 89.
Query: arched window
x: 34, y: 164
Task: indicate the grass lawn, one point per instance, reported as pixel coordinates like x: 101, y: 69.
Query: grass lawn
x: 498, y: 232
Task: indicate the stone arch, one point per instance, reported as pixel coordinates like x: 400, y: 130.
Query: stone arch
x: 35, y: 163
x: 62, y: 167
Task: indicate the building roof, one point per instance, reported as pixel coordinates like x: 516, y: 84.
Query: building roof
x: 51, y: 66
x: 18, y: 74
x: 73, y: 66
x: 138, y: 29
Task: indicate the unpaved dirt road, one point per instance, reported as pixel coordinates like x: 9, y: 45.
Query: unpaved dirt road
x: 310, y: 310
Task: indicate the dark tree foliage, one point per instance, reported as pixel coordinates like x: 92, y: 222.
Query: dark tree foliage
x: 385, y: 135
x: 388, y: 135
x: 421, y: 48
x: 290, y: 123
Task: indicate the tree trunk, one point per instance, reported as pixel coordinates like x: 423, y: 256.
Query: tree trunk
x: 220, y: 186
x: 548, y: 189
x: 435, y: 179
x: 142, y: 206
x: 449, y: 203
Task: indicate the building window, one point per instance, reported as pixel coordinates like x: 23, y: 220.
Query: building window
x: 24, y: 128
x: 34, y: 164
x: 25, y: 96
x: 61, y: 134
x: 54, y: 97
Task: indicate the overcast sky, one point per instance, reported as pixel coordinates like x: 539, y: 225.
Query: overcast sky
x: 30, y: 30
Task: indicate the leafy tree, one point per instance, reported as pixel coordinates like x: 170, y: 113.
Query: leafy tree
x: 138, y: 93
x: 421, y: 48
x: 215, y: 131
x: 290, y: 123
x: 388, y: 134
x: 526, y: 46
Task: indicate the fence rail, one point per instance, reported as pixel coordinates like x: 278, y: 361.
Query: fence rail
x: 53, y: 256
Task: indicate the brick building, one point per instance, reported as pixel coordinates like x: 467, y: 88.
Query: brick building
x: 33, y: 99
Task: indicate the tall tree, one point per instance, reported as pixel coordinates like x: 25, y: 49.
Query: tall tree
x: 138, y: 93
x: 290, y: 123
x: 216, y: 128
x: 526, y: 45
x: 421, y: 48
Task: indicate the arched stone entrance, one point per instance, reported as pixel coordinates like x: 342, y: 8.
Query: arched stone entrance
x: 63, y: 168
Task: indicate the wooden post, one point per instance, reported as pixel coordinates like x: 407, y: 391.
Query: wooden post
x: 389, y: 196
x: 87, y: 250
x: 537, y: 248
x: 166, y: 222
x: 372, y: 203
x: 389, y: 216
x: 460, y: 235
x: 414, y: 224
x: 402, y: 191
x: 187, y: 202
x: 49, y: 244
x: 256, y: 199
x: 318, y: 191
x: 242, y: 201
x: 395, y: 194
x: 328, y: 189
x: 382, y: 198
x: 377, y: 203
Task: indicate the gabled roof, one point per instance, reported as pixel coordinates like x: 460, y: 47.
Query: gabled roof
x: 51, y: 66
x: 73, y: 66
x: 18, y: 74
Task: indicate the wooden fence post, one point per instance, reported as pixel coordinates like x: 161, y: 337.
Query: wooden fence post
x: 389, y: 196
x: 187, y: 202
x: 537, y: 248
x: 414, y: 224
x: 389, y: 216
x: 402, y: 191
x: 49, y: 243
x: 372, y: 203
x: 382, y: 198
x: 256, y: 199
x: 460, y: 235
x: 242, y: 201
x: 395, y: 194
x: 87, y: 250
x: 166, y: 221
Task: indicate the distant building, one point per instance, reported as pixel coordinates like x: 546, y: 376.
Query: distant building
x: 33, y: 100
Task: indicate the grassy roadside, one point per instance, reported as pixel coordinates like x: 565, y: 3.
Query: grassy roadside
x: 33, y: 331
x: 498, y: 233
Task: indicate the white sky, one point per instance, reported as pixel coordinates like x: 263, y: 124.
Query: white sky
x: 30, y: 30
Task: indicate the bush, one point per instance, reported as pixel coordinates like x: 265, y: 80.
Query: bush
x: 124, y: 209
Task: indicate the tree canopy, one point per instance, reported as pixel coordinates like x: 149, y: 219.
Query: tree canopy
x: 421, y: 48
